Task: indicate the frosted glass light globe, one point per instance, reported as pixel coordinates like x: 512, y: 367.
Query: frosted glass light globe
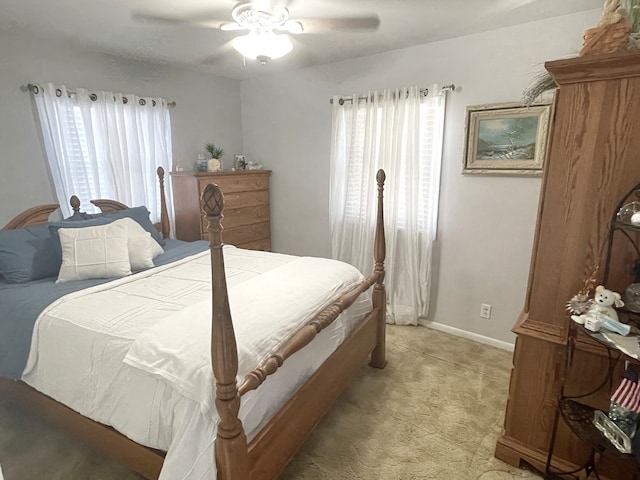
x: 263, y: 45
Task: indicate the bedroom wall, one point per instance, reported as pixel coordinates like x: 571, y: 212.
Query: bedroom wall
x: 486, y: 224
x: 207, y: 110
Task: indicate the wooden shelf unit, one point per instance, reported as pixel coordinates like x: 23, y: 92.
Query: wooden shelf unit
x: 247, y: 219
x: 592, y: 162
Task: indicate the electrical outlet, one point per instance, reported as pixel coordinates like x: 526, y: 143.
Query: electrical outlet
x: 485, y: 310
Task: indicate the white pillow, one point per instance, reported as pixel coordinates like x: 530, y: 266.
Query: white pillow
x: 156, y: 248
x: 142, y: 246
x: 94, y: 252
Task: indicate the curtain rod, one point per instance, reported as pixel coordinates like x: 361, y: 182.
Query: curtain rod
x: 423, y: 91
x: 31, y: 88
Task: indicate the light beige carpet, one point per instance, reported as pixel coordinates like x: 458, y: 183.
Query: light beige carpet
x: 435, y: 413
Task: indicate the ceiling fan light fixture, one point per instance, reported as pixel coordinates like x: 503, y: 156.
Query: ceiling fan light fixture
x: 263, y: 45
x: 255, y: 14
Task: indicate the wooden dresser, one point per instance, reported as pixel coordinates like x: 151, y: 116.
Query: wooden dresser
x: 246, y: 207
x: 593, y: 163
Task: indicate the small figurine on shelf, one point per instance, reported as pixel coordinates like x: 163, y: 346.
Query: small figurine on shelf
x: 239, y: 162
x: 602, y: 314
x: 629, y: 214
x: 201, y: 164
x: 253, y: 166
x: 632, y: 292
x: 620, y: 425
x: 625, y: 402
x: 582, y: 301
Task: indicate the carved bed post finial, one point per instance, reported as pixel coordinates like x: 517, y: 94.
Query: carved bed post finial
x: 378, y: 357
x: 231, y: 443
x: 164, y: 215
x: 75, y: 204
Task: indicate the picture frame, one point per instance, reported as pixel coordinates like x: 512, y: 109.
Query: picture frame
x: 506, y: 139
x: 239, y: 162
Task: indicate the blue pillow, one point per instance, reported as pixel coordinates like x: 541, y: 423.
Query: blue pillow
x: 77, y: 216
x: 28, y: 254
x: 139, y: 214
x: 78, y: 223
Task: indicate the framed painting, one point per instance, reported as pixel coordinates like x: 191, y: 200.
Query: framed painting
x: 506, y: 139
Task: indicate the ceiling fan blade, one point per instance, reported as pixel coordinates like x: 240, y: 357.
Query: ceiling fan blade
x: 203, y: 20
x: 157, y: 19
x: 231, y: 27
x: 314, y: 25
x: 218, y: 55
x: 291, y: 26
x: 212, y: 59
x: 269, y: 4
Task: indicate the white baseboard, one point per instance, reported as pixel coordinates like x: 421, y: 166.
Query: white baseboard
x: 469, y: 335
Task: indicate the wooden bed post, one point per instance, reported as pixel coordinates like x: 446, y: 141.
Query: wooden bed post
x: 378, y: 357
x: 75, y: 204
x: 231, y: 443
x: 165, y: 227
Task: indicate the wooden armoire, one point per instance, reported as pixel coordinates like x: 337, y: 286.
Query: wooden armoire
x: 594, y: 160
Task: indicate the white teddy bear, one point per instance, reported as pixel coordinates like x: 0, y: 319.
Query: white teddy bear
x: 602, y: 314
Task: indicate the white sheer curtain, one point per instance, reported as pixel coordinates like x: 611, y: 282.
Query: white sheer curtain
x: 105, y: 145
x: 402, y: 132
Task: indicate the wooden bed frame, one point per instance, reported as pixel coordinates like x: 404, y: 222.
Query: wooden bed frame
x: 271, y: 450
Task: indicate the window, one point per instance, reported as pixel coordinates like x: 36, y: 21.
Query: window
x: 402, y: 133
x: 428, y: 174
x: 104, y: 145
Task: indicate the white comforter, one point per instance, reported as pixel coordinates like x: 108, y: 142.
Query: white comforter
x: 134, y: 353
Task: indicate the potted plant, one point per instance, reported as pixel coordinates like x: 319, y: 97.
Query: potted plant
x: 214, y: 164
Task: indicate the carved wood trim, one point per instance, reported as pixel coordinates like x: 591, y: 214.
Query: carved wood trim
x: 32, y: 216
x: 597, y: 67
x: 540, y: 330
x: 165, y: 227
x: 231, y: 442
x: 557, y: 335
x: 378, y: 356
x: 40, y: 214
x: 512, y: 451
x: 304, y: 336
x: 106, y: 205
x: 278, y: 441
x: 75, y: 204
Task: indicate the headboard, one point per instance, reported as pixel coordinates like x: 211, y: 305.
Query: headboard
x: 41, y: 213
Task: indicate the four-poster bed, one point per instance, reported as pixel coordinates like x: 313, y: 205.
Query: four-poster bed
x: 265, y: 455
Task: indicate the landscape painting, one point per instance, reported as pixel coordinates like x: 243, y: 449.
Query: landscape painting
x: 506, y: 139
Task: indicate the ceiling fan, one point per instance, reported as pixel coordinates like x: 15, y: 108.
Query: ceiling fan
x: 268, y: 24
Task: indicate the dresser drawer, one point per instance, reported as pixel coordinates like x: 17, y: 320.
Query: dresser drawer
x: 246, y: 204
x: 249, y: 233
x: 246, y: 199
x: 238, y: 217
x: 264, y: 245
x: 238, y: 183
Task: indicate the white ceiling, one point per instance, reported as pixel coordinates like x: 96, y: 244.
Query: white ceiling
x: 106, y: 26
